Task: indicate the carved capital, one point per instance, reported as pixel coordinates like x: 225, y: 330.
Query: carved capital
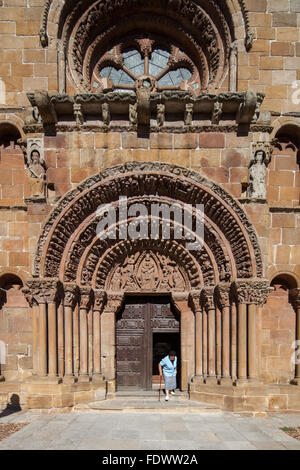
x: 222, y: 292
x: 207, y: 298
x: 85, y: 297
x: 43, y: 290
x: 71, y: 294
x: 195, y: 300
x: 99, y: 300
x: 294, y: 297
x: 181, y: 301
x: 254, y: 291
x: 114, y: 302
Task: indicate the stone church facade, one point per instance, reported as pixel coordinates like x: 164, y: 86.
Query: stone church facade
x: 156, y: 103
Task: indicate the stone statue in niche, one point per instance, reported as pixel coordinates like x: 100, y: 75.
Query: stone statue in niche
x: 257, y: 174
x: 37, y: 178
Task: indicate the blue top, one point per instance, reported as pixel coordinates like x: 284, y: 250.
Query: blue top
x: 169, y: 369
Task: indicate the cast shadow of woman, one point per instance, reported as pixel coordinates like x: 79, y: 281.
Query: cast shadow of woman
x: 12, y: 407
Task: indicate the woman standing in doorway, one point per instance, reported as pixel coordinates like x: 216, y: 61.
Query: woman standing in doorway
x: 168, y: 368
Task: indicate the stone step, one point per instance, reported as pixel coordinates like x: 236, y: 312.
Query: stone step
x: 148, y: 393
x: 149, y: 404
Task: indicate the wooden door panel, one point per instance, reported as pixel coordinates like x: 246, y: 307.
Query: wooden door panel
x: 134, y: 337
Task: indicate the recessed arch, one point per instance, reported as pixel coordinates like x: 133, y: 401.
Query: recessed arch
x: 83, y: 27
x: 69, y: 246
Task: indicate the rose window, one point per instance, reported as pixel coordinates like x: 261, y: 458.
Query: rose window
x: 146, y: 63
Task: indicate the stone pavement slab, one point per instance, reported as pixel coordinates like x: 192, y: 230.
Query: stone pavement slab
x: 97, y: 430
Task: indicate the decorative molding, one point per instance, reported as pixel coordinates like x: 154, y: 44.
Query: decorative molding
x: 254, y: 291
x: 163, y: 175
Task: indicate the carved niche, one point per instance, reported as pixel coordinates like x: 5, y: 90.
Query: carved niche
x: 147, y: 271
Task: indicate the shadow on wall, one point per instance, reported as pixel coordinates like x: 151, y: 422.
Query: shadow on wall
x: 12, y: 407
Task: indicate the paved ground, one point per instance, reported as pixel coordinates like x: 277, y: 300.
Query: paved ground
x: 149, y: 431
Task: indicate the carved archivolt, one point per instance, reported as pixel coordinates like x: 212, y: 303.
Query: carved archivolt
x: 70, y: 249
x: 204, y: 29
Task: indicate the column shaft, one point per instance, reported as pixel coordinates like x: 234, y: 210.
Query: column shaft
x: 76, y: 340
x: 252, y: 359
x: 35, y: 336
x: 198, y: 341
x: 187, y: 340
x: 97, y: 342
x: 60, y: 340
x: 68, y: 340
x: 242, y: 341
x: 226, y: 342
x: 211, y: 343
x: 233, y: 341
x: 218, y: 343
x: 43, y: 357
x: 204, y: 331
x: 297, y: 366
x: 83, y: 342
x: 52, y: 338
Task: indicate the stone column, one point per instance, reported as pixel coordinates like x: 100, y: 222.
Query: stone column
x: 195, y: 299
x: 35, y: 290
x: 187, y: 337
x: 240, y: 289
x: 223, y: 299
x: 208, y: 304
x: 233, y: 311
x: 99, y: 300
x: 108, y: 339
x: 85, y: 303
x: 43, y: 356
x: 294, y: 298
x: 258, y: 293
x: 61, y: 339
x: 33, y: 304
x: 249, y: 294
x: 51, y: 293
x: 70, y: 299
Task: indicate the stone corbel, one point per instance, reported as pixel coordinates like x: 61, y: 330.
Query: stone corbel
x: 247, y: 108
x: 217, y: 113
x: 188, y: 114
x: 143, y: 106
x: 106, y: 114
x: 42, y: 101
x: 77, y: 109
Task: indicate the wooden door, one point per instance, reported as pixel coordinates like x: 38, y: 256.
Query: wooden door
x: 134, y: 339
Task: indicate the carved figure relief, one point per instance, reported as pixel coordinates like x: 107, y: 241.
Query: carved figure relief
x: 147, y: 272
x: 257, y: 171
x: 37, y: 168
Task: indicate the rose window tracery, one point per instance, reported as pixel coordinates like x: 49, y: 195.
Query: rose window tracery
x: 147, y: 62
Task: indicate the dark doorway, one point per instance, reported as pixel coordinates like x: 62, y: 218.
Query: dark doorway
x: 138, y: 327
x: 162, y: 344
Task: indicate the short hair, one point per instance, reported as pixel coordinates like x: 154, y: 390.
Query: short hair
x: 172, y: 353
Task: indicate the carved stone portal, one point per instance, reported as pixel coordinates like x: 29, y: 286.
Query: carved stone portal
x: 147, y: 271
